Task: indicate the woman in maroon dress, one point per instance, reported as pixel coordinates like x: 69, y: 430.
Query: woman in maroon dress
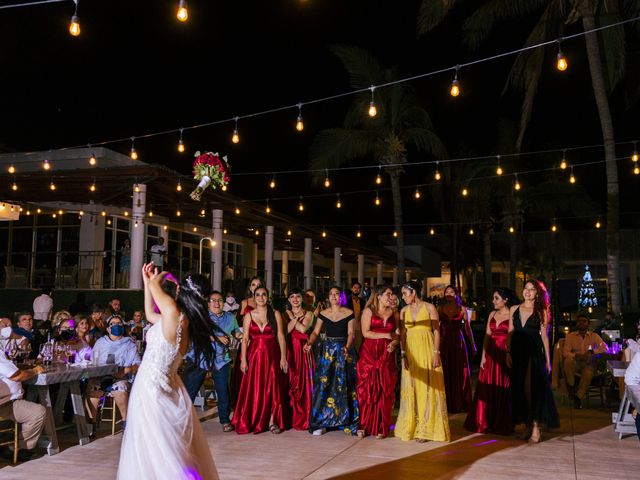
x: 376, y: 367
x: 491, y: 408
x: 262, y: 401
x: 455, y: 362
x: 301, y: 363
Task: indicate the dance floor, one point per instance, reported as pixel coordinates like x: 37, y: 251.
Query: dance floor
x: 584, y: 448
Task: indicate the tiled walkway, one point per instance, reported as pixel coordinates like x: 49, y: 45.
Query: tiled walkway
x: 584, y: 448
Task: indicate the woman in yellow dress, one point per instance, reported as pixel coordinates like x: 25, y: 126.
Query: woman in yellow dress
x: 423, y: 404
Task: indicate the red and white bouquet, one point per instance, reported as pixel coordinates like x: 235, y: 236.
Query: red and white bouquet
x: 211, y: 170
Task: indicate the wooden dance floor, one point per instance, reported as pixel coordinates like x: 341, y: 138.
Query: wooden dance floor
x: 585, y: 448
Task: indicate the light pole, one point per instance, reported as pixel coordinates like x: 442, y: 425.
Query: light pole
x: 212, y: 243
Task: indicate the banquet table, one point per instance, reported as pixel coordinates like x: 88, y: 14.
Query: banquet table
x: 68, y: 377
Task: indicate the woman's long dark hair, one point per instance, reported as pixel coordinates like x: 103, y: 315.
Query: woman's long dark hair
x: 508, y: 295
x: 456, y: 294
x: 192, y: 299
x: 541, y: 302
x: 271, y: 313
x: 249, y: 293
x: 374, y: 303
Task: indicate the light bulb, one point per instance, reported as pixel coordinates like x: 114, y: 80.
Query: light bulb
x: 151, y: 213
x: 179, y: 186
x: 417, y: 194
x: 46, y: 165
x: 563, y: 164
x: 471, y: 232
x: 327, y: 182
x: 289, y: 233
x: 54, y: 215
x: 437, y: 175
x: 636, y: 170
x: 28, y: 212
x: 634, y: 157
x: 126, y: 214
x: 236, y: 137
x: 301, y: 206
x: 512, y: 230
x: 183, y: 13
x: 358, y: 234
x: 136, y: 188
x: 572, y: 178
x: 93, y: 160
x: 516, y: 184
x: 272, y: 183
x: 455, y: 89
x: 324, y: 234
x: 52, y: 186
x: 74, y: 26
x: 338, y: 203
x: 377, y: 200
x: 268, y: 209
x: 224, y: 232
x: 203, y: 212
x: 299, y: 124
x: 14, y: 187
x: 195, y: 229
x: 554, y: 228
x: 237, y: 210
x: 165, y: 228
x: 92, y: 187
x: 432, y: 231
x: 598, y: 225
x: 11, y: 169
x: 499, y: 170
x: 561, y: 64
x: 257, y: 232
x: 133, y: 154
x: 378, y: 179
x: 103, y: 213
x: 465, y: 192
x: 180, y: 146
x: 373, y: 111
x: 109, y: 222
x: 178, y: 213
x: 223, y: 188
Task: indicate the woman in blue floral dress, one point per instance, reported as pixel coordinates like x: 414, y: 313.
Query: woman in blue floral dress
x: 335, y: 403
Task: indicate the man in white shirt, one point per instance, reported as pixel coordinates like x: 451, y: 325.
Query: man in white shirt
x: 158, y: 254
x: 29, y: 415
x: 42, y: 306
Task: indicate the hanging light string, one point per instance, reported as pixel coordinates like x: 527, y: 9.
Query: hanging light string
x: 30, y: 4
x: 298, y: 105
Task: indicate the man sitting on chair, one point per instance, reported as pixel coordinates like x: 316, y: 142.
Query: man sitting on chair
x: 121, y: 350
x: 578, y: 348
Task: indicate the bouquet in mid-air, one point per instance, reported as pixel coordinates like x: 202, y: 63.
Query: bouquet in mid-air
x: 211, y: 170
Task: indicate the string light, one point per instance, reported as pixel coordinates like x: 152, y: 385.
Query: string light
x: 236, y: 137
x: 516, y: 183
x: 126, y: 213
x: 377, y: 200
x: 103, y: 213
x: 272, y: 183
x: 437, y: 175
x: 636, y: 170
x: 299, y: 122
x: 598, y: 224
x: 432, y: 231
x: 358, y: 233
x: 499, y: 170
x: 237, y: 210
x: 46, y: 165
x: 223, y: 188
x: 178, y: 212
x: 512, y: 230
x: 195, y: 229
x: 165, y: 228
x: 338, y: 202
x: 93, y: 161
x: 133, y: 154
x: 54, y: 215
x: 563, y: 163
x: 109, y: 222
x: 150, y: 213
x: 135, y: 224
x: 634, y: 155
x: 136, y: 188
x: 74, y: 26
x: 465, y: 192
x: 395, y: 234
x: 183, y: 13
x: 327, y: 182
x: 455, y: 88
x: 289, y: 233
x: 179, y: 186
x: 38, y: 211
x: 417, y: 194
x: 180, y: 142
x: 11, y: 169
x: 554, y: 228
x: 224, y: 231
x: 324, y: 233
x: 561, y: 63
x: 14, y: 187
x: 301, y: 205
x: 379, y: 177
x: 268, y: 209
x: 572, y: 178
x: 52, y: 186
x: 92, y: 187
x: 471, y: 232
x: 373, y: 111
x: 257, y: 232
x: 203, y: 213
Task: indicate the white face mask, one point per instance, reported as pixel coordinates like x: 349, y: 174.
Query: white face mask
x: 5, y: 332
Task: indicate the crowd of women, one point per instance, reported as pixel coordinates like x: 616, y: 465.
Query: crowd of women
x: 301, y: 369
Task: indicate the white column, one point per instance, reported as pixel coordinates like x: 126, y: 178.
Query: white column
x: 395, y: 276
x: 137, y: 236
x: 379, y: 276
x: 216, y: 251
x: 308, y: 266
x: 268, y: 257
x: 337, y: 265
x: 91, y: 242
x: 285, y: 269
x: 361, y: 269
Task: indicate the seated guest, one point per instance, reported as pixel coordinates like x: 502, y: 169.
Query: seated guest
x: 113, y: 308
x: 114, y: 348
x: 29, y: 415
x: 97, y: 326
x: 230, y: 303
x: 137, y: 324
x: 25, y: 329
x: 578, y: 348
x: 57, y: 319
x: 224, y: 327
x: 7, y: 335
x: 82, y: 336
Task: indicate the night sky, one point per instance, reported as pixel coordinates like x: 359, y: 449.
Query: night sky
x: 135, y: 69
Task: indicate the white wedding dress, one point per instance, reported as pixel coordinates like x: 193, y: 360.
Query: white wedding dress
x: 163, y: 438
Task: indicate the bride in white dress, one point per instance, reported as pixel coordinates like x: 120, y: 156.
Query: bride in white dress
x: 163, y: 438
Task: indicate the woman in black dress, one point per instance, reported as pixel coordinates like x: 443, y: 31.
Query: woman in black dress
x: 528, y: 355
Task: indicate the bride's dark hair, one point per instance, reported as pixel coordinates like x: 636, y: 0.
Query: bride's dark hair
x: 192, y: 299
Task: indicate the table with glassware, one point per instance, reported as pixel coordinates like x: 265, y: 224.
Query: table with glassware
x: 68, y: 376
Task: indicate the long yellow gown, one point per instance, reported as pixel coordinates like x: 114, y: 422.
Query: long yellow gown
x: 423, y: 404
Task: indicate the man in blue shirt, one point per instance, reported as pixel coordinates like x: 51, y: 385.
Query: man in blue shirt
x: 224, y: 329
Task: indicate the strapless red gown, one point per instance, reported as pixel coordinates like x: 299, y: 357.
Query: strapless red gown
x: 491, y: 408
x: 377, y: 375
x: 455, y: 362
x: 301, y: 368
x: 263, y: 388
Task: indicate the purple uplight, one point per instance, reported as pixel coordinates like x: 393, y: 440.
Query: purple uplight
x: 484, y: 443
x: 191, y: 474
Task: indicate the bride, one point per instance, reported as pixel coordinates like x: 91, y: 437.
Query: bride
x: 163, y: 438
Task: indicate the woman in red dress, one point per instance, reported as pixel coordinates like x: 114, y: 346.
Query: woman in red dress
x: 376, y: 367
x: 262, y: 401
x: 301, y: 363
x: 455, y: 362
x: 491, y: 408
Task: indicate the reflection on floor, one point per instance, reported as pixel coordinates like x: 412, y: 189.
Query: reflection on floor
x: 584, y: 448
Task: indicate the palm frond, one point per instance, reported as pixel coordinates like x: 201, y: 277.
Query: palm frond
x: 363, y: 68
x: 432, y: 13
x: 425, y: 141
x: 478, y: 26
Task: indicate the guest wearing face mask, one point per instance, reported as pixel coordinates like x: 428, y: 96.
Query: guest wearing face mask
x: 7, y: 335
x: 121, y: 350
x: 230, y: 303
x: 25, y: 329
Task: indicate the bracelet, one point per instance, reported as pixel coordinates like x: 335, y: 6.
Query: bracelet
x: 437, y: 351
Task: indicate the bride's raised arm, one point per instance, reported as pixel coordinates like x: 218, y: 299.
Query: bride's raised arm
x: 169, y: 311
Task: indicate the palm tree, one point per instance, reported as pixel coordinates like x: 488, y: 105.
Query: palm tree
x: 552, y: 16
x: 400, y: 122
